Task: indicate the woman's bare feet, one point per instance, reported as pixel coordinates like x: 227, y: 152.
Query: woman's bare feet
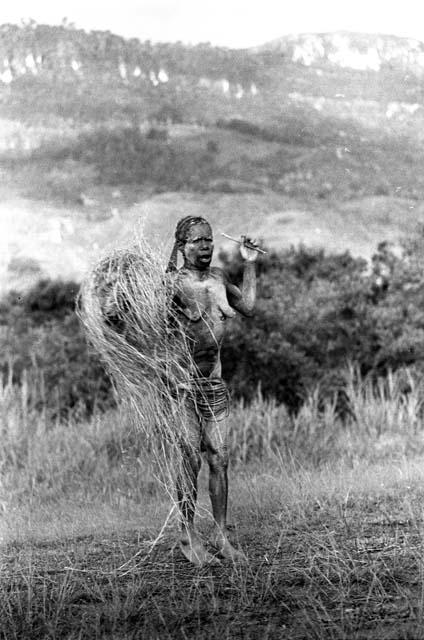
x: 225, y: 548
x: 194, y: 551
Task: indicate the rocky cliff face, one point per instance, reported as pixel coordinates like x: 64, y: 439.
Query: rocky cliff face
x: 65, y: 52
x: 362, y: 52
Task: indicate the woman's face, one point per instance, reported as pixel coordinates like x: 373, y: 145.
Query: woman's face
x: 198, y: 247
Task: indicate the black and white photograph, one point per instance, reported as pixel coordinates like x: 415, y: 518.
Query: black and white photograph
x: 211, y: 320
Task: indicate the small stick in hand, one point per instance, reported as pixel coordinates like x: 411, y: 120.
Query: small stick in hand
x: 248, y: 244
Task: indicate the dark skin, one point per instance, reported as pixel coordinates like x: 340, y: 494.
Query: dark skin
x: 205, y: 301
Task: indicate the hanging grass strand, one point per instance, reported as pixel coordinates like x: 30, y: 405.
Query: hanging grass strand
x: 126, y: 309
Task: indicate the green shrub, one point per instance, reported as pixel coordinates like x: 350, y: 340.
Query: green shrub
x: 42, y: 340
x: 126, y: 155
x: 312, y: 317
x: 399, y: 314
x: 315, y: 313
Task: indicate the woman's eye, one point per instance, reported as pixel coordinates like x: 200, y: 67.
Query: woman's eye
x: 198, y: 240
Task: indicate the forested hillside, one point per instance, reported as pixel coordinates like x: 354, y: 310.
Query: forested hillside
x: 315, y: 138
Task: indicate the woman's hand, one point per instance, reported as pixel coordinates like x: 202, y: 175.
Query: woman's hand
x: 249, y: 250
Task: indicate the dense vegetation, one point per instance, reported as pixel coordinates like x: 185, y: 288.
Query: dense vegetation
x: 44, y: 350
x: 128, y: 156
x: 315, y: 314
x: 318, y: 312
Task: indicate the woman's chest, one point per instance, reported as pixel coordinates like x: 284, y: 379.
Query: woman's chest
x: 204, y: 298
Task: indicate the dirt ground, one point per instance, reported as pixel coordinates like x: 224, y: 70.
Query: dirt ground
x: 358, y: 575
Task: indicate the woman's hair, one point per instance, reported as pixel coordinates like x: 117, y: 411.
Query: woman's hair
x: 181, y: 234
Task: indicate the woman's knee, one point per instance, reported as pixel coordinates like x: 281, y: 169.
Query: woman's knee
x: 217, y: 459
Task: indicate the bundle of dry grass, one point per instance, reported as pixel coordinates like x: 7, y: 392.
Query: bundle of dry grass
x: 126, y: 309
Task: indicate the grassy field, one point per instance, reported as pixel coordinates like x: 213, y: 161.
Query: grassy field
x: 328, y: 510
x: 326, y: 505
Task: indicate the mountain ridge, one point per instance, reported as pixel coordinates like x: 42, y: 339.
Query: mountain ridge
x: 97, y: 131
x: 50, y: 51
x: 360, y: 51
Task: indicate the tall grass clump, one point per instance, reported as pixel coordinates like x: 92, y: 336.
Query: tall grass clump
x: 127, y: 311
x: 45, y: 457
x: 122, y: 451
x: 368, y: 419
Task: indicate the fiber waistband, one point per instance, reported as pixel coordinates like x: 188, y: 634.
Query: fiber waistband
x: 212, y: 398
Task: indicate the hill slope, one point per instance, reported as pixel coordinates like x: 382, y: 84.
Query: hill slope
x: 314, y: 138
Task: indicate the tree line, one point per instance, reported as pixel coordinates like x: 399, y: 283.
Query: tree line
x: 316, y: 313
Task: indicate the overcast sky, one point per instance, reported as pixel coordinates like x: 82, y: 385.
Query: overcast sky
x: 234, y: 23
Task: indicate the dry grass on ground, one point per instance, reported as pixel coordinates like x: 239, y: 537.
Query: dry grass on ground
x: 334, y: 542
x: 332, y: 554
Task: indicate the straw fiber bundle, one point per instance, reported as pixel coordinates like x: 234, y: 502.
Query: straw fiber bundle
x: 126, y: 309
